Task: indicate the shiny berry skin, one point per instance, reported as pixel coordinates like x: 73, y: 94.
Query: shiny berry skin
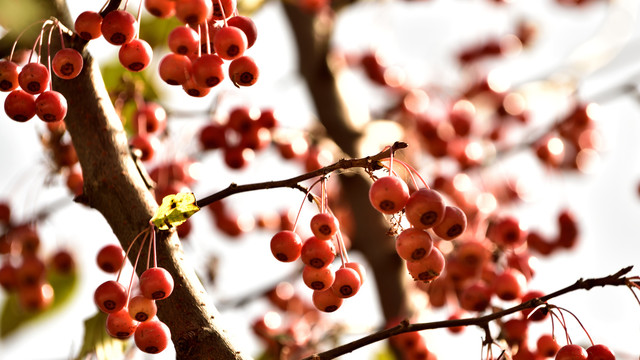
x: 88, y: 25
x: 389, y: 194
x: 183, y: 40
x: 324, y: 226
x: 20, y: 105
x: 359, y: 268
x: 230, y: 43
x: 207, y: 70
x: 135, y: 55
x: 247, y: 26
x: 413, y: 244
x: 228, y: 9
x: 243, y: 71
x: 110, y: 296
x: 160, y: 8
x: 571, y: 352
x: 174, y: 69
x: 34, y: 78
x: 547, y: 346
x: 141, y: 308
x: 600, y: 352
x: 195, y: 90
x: 425, y: 208
x: 317, y: 253
x: 118, y: 27
x: 120, y: 325
x: 453, y: 224
x: 156, y: 283
x: 8, y: 75
x: 428, y: 268
x: 286, y: 246
x: 51, y: 106
x: 193, y: 12
x: 318, y: 279
x: 152, y: 337
x: 67, y: 63
x: 346, y: 283
x: 110, y: 258
x: 326, y: 300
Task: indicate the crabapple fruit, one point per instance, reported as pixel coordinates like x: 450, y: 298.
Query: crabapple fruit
x: 389, y: 194
x: 156, y: 283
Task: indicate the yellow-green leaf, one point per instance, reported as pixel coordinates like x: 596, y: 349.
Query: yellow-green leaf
x: 174, y: 210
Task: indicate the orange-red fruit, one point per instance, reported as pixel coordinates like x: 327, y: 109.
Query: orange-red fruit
x: 160, y: 8
x: 475, y: 297
x: 207, y: 70
x: 8, y: 75
x: 34, y: 78
x: 413, y: 244
x: 228, y: 9
x: 67, y: 63
x: 110, y: 258
x: 510, y: 284
x: 317, y: 253
x: 539, y: 314
x: 425, y: 208
x: 326, y: 300
x: 346, y: 283
x: 286, y: 246
x: 151, y: 116
x: 359, y: 269
x: 35, y: 297
x: 19, y: 105
x: 51, y: 106
x: 230, y: 43
x: 324, y: 226
x: 547, y: 346
x: 600, y: 352
x: 318, y: 279
x: 389, y: 194
x: 453, y: 224
x: 110, y: 296
x: 88, y: 25
x: 118, y: 27
x: 506, y: 232
x: 243, y: 71
x: 141, y: 308
x: 428, y: 268
x: 183, y: 40
x: 571, y: 352
x: 195, y: 90
x: 174, y: 69
x: 156, y: 283
x: 135, y: 55
x: 120, y: 325
x: 193, y: 12
x: 152, y: 337
x: 247, y: 26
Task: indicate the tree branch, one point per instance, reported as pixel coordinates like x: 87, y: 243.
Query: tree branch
x: 616, y: 279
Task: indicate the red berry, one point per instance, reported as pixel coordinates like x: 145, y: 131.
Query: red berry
x: 347, y: 282
x: 20, y: 105
x: 67, y: 63
x: 207, y: 70
x: 413, y: 244
x: 183, y: 40
x: 110, y: 258
x: 389, y: 194
x: 142, y: 309
x: 156, y: 283
x: 326, y: 300
x: 35, y: 297
x: 8, y: 75
x: 317, y: 253
x: 110, y: 296
x: 193, y: 12
x: 324, y: 226
x: 120, y: 325
x: 212, y: 136
x: 160, y: 8
x: 318, y: 279
x: 237, y: 157
x: 510, y: 284
x: 151, y: 117
x: 195, y: 90
x: 428, y: 268
x: 88, y: 25
x: 228, y: 9
x: 568, y: 234
x: 571, y: 352
x: 62, y: 262
x: 51, y: 106
x: 243, y: 71
x: 147, y: 144
x: 230, y: 43
x: 135, y: 55
x: 539, y: 314
x: 515, y: 331
x: 506, y: 232
x: 547, y: 346
x: 286, y: 246
x: 174, y: 69
x: 118, y: 27
x: 34, y: 78
x: 600, y: 352
x: 152, y: 336
x: 247, y: 26
x: 31, y: 271
x: 475, y: 296
x: 425, y: 208
x: 453, y: 224
x: 359, y: 269
x: 8, y: 276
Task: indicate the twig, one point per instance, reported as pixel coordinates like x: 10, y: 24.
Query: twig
x: 616, y: 279
x: 368, y: 162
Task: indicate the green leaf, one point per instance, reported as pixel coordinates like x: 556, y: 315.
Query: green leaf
x: 175, y: 210
x: 13, y: 316
x: 97, y: 341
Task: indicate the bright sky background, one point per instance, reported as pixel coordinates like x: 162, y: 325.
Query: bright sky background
x: 420, y: 36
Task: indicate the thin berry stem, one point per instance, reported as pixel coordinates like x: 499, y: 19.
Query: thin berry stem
x: 224, y: 16
x: 143, y: 232
x: 343, y: 249
x: 57, y: 24
x: 49, y: 56
x: 324, y: 195
x: 413, y: 171
x: 135, y: 266
x: 155, y: 254
x: 306, y: 195
x: 15, y: 43
x: 579, y: 322
x: 138, y: 19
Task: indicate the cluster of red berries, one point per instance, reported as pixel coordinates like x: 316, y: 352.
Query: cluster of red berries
x: 149, y: 120
x: 330, y: 286
x: 29, y: 87
x: 129, y: 314
x: 243, y: 132
x: 23, y: 271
